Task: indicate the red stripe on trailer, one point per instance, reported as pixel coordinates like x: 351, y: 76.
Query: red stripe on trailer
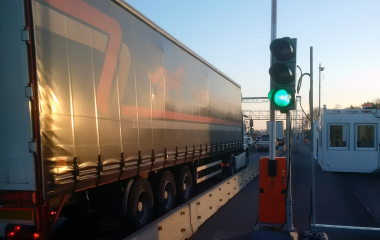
x: 156, y: 113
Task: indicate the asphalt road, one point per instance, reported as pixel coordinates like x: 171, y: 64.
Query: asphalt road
x: 235, y: 220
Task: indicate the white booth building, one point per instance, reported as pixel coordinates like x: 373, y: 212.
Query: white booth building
x: 348, y: 140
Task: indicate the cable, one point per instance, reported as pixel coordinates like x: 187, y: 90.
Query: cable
x: 304, y: 111
x: 299, y: 88
x: 300, y: 80
x: 290, y: 163
x: 311, y: 206
x: 287, y: 178
x: 375, y: 114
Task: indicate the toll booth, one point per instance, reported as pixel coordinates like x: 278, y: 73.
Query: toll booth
x: 348, y: 140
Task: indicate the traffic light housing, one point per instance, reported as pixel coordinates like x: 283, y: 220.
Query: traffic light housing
x: 282, y: 73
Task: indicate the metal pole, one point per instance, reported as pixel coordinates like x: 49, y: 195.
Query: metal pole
x: 303, y: 127
x: 289, y: 210
x: 272, y: 120
x: 319, y: 108
x: 312, y: 139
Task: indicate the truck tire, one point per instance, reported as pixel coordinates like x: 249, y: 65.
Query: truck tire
x: 140, y: 207
x: 185, y: 185
x: 166, y: 193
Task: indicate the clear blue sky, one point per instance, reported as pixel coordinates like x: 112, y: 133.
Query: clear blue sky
x: 234, y: 36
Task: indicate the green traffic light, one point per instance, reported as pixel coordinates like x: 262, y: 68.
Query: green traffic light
x: 282, y: 98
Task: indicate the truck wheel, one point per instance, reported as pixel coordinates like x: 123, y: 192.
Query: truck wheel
x: 185, y: 185
x: 166, y: 193
x: 140, y: 210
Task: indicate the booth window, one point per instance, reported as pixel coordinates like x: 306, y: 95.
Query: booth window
x: 365, y: 136
x: 338, y: 136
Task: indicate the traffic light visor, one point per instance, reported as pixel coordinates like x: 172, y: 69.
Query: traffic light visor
x: 282, y: 98
x: 281, y: 73
x: 270, y: 94
x: 281, y: 49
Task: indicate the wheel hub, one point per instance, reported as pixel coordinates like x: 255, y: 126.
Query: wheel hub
x: 140, y: 206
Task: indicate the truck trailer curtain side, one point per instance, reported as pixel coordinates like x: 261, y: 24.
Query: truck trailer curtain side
x: 93, y: 93
x: 114, y: 94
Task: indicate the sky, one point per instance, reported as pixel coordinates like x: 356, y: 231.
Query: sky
x: 234, y: 36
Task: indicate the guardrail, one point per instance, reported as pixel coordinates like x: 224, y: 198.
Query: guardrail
x: 280, y: 150
x: 185, y: 220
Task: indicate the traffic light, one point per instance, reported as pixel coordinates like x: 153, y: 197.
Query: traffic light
x: 282, y: 93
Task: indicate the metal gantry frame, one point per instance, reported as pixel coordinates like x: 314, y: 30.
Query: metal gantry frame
x: 262, y: 115
x: 297, y: 123
x: 254, y: 99
x: 297, y: 116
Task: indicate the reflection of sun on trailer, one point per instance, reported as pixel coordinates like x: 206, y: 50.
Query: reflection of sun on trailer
x: 348, y: 140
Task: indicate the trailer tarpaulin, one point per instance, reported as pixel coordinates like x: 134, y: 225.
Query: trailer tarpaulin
x: 115, y: 94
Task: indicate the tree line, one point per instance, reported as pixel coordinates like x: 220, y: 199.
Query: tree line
x: 375, y: 104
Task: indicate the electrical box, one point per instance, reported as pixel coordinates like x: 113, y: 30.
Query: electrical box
x: 272, y: 192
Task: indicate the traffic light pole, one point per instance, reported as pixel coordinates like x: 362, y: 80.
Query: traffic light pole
x: 289, y: 208
x: 272, y: 122
x: 272, y: 135
x: 319, y: 104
